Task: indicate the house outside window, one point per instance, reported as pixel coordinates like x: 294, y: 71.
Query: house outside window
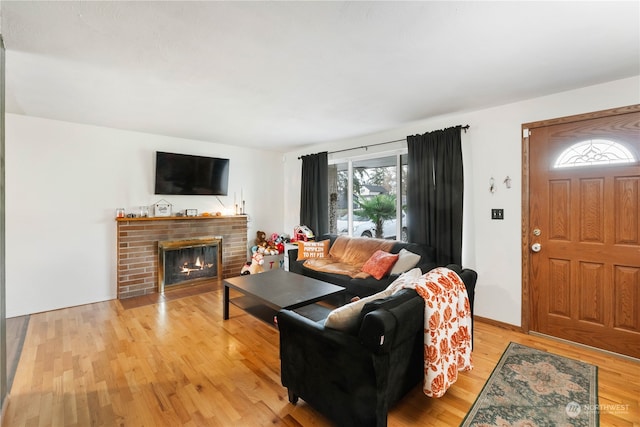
x: 367, y: 196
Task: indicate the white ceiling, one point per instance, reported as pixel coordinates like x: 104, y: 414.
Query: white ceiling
x: 280, y: 75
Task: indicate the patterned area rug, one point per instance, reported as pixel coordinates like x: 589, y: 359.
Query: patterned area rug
x: 534, y: 388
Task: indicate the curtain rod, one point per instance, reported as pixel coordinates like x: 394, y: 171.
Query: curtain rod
x: 464, y: 128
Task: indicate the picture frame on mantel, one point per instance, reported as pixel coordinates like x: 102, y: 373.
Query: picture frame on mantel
x: 162, y: 208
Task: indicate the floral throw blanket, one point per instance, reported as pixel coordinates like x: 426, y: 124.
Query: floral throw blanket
x: 447, y: 326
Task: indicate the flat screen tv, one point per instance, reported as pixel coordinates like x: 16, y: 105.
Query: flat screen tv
x: 191, y: 175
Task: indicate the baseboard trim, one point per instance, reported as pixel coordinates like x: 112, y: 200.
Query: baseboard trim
x: 499, y: 324
x: 585, y: 346
x: 515, y: 328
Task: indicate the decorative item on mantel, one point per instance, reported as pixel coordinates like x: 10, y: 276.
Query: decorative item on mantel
x: 162, y: 208
x: 239, y: 209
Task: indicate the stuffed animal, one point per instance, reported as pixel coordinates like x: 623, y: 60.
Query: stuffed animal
x: 255, y: 266
x: 285, y: 238
x: 263, y: 246
x: 261, y: 238
x: 277, y: 242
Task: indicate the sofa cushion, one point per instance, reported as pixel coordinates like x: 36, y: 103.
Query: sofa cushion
x: 330, y: 266
x: 379, y: 264
x: 406, y: 261
x: 346, y: 318
x: 313, y: 250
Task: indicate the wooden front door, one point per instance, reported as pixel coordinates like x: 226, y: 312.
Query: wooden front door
x: 583, y: 233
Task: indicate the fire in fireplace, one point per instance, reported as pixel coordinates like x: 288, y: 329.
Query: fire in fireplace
x: 183, y: 262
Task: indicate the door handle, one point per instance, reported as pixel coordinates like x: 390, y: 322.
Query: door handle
x: 536, y: 247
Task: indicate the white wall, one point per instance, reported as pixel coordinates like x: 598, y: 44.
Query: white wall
x: 491, y: 148
x: 63, y: 184
x: 65, y: 180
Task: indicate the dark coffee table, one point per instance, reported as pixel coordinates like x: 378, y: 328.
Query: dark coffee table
x: 266, y: 293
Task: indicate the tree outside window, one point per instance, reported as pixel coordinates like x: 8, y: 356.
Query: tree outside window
x: 375, y: 184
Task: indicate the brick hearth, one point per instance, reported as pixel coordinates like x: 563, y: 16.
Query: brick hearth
x: 138, y: 247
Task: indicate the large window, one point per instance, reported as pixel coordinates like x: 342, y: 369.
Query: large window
x: 367, y: 197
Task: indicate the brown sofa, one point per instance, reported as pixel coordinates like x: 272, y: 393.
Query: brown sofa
x: 353, y: 253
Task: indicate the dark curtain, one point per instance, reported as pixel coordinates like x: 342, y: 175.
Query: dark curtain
x: 434, y: 192
x: 314, y: 194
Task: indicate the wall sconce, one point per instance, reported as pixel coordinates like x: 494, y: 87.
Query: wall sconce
x: 507, y: 182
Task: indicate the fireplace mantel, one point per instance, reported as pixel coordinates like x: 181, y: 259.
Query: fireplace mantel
x: 138, y: 246
x: 173, y: 218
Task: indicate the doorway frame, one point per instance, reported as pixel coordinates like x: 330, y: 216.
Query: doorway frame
x: 527, y: 307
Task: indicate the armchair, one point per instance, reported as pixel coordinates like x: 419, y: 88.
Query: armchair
x: 354, y: 378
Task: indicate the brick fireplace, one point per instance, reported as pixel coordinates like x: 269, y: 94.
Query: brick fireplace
x: 138, y: 247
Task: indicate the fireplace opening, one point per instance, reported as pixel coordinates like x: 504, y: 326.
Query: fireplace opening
x: 185, y: 262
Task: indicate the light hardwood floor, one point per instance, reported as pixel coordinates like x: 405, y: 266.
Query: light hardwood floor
x: 176, y: 362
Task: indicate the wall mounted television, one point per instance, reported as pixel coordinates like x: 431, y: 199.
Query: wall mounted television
x: 184, y: 174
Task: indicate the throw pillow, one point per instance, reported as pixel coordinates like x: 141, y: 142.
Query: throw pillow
x: 313, y: 250
x: 345, y: 318
x: 380, y: 264
x: 406, y: 261
x: 406, y: 279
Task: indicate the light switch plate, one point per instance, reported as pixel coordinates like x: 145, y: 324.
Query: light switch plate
x: 497, y: 213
